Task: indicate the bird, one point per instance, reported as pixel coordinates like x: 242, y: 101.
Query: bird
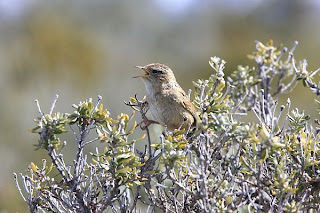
x: 169, y: 104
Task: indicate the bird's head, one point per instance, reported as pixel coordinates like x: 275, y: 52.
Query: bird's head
x: 156, y: 73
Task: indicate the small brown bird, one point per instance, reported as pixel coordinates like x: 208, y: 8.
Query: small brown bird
x: 168, y: 102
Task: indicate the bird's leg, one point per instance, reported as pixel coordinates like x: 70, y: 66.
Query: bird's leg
x: 185, y: 118
x: 146, y: 122
x: 142, y: 107
x: 189, y: 127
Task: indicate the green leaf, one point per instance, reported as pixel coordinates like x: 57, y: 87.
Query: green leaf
x: 97, y: 155
x: 124, y: 156
x: 264, y: 154
x: 139, y: 183
x: 123, y: 170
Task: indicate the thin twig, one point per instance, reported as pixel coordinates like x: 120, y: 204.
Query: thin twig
x: 95, y: 107
x: 53, y: 104
x: 18, y: 186
x: 91, y: 141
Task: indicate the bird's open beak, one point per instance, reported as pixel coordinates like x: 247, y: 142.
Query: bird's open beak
x: 146, y: 73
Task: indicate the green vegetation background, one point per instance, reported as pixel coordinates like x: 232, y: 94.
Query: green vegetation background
x: 79, y: 50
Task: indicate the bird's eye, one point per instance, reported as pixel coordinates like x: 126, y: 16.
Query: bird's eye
x: 157, y: 71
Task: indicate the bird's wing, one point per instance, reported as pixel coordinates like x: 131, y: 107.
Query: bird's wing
x: 181, y: 97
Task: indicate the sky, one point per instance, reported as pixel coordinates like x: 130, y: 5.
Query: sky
x: 15, y: 8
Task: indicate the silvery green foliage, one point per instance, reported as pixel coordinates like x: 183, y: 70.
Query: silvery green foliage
x: 224, y: 165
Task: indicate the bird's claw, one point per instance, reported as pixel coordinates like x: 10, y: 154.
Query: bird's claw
x: 145, y: 123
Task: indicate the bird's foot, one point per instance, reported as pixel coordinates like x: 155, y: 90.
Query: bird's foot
x: 146, y: 122
x: 185, y: 119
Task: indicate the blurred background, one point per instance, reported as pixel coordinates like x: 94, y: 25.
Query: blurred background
x: 81, y: 49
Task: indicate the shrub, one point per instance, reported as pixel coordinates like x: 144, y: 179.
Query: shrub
x: 226, y: 165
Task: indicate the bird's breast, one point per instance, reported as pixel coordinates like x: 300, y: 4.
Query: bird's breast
x: 167, y: 111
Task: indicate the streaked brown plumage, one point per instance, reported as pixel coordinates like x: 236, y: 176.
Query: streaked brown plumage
x: 168, y: 102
